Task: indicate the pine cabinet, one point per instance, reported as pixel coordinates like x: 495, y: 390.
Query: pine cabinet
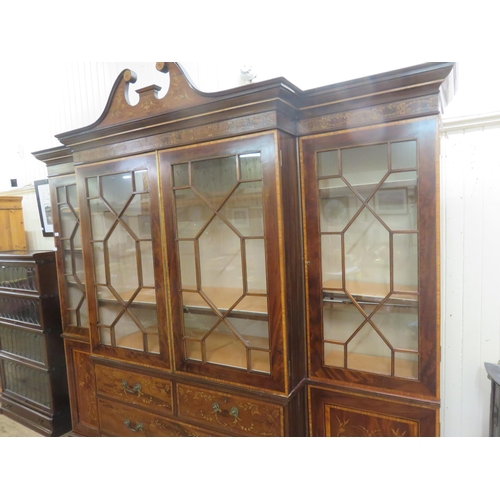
x: 261, y: 261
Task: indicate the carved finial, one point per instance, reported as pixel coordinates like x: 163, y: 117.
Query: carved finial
x: 162, y: 67
x: 129, y: 76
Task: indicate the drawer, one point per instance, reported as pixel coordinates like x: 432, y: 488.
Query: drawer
x: 122, y: 421
x: 229, y: 413
x: 134, y: 388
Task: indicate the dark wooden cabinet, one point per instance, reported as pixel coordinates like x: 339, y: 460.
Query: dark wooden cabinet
x: 261, y: 261
x: 32, y: 365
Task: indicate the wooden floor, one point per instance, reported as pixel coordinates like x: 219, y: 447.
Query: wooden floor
x: 10, y: 428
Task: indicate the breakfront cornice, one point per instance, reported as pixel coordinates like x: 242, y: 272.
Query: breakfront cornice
x: 186, y: 115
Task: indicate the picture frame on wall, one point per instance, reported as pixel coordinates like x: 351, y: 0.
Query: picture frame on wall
x: 44, y: 207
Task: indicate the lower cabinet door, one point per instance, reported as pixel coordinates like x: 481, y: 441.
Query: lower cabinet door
x: 337, y: 414
x: 123, y: 421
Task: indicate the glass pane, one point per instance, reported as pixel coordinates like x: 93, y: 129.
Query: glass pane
x: 61, y: 194
x: 244, y: 209
x: 405, y: 250
x: 256, y: 266
x: 74, y: 297
x: 137, y: 217
x: 331, y: 260
x: 193, y: 349
x: 367, y: 253
x: 181, y: 174
x: 406, y: 365
x: 92, y: 187
x: 260, y: 361
x: 368, y: 352
x: 146, y: 250
x: 398, y: 322
x: 404, y: 155
x: 395, y: 201
x: 214, y: 178
x: 220, y: 263
x: 101, y: 219
x: 334, y: 355
x: 188, y: 264
x: 253, y: 304
x: 141, y: 181
x: 224, y: 348
x: 364, y: 167
x: 328, y: 163
x: 116, y: 189
x: 337, y: 205
x: 68, y: 221
x: 340, y: 319
x: 250, y: 166
x: 254, y: 329
x: 192, y: 213
x: 72, y: 197
x: 99, y: 267
x: 122, y: 262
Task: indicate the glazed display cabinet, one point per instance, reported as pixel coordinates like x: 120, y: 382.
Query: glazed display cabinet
x: 32, y: 363
x: 261, y: 261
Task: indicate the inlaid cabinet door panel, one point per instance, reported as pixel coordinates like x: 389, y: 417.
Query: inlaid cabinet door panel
x: 123, y: 259
x: 82, y: 388
x: 336, y: 414
x: 223, y: 235
x: 371, y: 219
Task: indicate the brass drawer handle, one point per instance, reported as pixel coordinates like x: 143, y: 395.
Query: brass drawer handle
x: 134, y: 390
x: 134, y: 428
x: 233, y: 412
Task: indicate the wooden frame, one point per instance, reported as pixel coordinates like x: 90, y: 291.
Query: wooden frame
x: 44, y: 207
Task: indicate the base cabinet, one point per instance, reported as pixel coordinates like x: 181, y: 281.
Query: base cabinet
x: 261, y: 261
x: 341, y: 414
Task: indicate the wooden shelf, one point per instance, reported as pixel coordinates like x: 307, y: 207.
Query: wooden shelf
x: 404, y: 368
x: 226, y: 297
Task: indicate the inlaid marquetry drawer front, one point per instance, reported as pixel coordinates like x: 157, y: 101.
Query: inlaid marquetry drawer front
x: 123, y: 421
x: 229, y: 413
x: 142, y: 390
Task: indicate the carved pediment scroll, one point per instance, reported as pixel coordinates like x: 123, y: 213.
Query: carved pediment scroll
x: 181, y: 94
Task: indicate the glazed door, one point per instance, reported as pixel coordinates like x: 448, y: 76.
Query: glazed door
x: 123, y: 259
x: 371, y: 243
x: 223, y: 248
x: 68, y: 240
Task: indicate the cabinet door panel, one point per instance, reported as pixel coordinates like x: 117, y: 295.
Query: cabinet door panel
x: 68, y: 240
x: 221, y: 205
x: 337, y: 414
x: 124, y: 268
x: 371, y: 242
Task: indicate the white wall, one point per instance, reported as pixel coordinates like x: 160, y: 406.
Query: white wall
x: 64, y: 96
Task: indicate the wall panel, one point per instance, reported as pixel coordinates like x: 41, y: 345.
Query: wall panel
x: 470, y: 276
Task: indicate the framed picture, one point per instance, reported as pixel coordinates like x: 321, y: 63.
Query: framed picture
x: 393, y: 201
x: 44, y: 207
